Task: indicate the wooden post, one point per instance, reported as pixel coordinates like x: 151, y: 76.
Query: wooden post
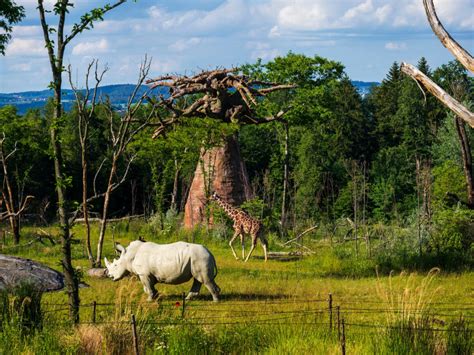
x: 330, y: 311
x: 94, y: 306
x: 343, y: 338
x: 184, y: 305
x: 135, y: 338
x: 338, y: 312
x: 4, y: 237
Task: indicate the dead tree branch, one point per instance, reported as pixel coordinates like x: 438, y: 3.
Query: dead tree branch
x: 301, y: 235
x: 459, y: 52
x: 223, y: 94
x: 460, y: 110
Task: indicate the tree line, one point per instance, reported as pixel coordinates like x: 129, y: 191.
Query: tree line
x: 391, y: 156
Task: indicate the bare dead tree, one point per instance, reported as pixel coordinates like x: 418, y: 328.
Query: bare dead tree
x: 463, y: 114
x: 86, y: 102
x: 14, y: 209
x: 459, y: 53
x: 222, y: 94
x: 123, y: 128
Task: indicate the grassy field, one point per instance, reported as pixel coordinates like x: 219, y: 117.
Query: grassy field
x: 275, y: 307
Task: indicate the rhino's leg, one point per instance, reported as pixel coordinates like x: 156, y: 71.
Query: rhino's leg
x: 148, y: 286
x: 213, y: 289
x: 195, y: 288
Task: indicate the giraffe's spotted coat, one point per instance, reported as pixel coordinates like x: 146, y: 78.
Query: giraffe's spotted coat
x: 243, y: 224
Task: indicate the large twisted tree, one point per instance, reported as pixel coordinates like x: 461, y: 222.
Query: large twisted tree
x: 227, y: 96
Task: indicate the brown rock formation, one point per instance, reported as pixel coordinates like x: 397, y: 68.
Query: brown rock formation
x: 222, y: 170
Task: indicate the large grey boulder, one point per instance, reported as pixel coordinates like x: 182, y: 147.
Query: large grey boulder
x: 16, y: 271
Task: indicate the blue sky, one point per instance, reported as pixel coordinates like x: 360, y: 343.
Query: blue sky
x: 184, y: 36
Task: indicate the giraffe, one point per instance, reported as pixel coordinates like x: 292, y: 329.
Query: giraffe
x: 243, y: 223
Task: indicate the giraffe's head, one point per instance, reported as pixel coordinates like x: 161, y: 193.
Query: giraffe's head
x: 215, y: 196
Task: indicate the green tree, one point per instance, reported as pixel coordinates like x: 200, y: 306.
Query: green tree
x: 10, y: 14
x: 25, y: 147
x: 56, y: 50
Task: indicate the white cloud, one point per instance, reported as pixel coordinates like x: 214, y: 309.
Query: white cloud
x: 183, y: 44
x: 368, y: 14
x: 27, y: 31
x: 274, y: 32
x: 21, y: 67
x: 361, y: 9
x: 26, y: 47
x: 91, y: 48
x: 396, y: 46
x: 262, y: 50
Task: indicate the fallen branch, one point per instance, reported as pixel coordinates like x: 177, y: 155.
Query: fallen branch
x: 301, y: 235
x: 95, y: 219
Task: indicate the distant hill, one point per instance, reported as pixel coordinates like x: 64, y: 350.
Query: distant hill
x: 364, y: 87
x: 118, y: 94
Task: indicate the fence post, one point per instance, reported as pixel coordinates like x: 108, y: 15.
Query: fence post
x: 338, y: 314
x: 343, y: 338
x: 135, y: 338
x: 184, y: 305
x: 94, y: 306
x: 4, y: 237
x: 330, y: 311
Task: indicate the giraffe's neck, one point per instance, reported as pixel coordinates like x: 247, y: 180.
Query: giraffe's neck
x: 229, y: 209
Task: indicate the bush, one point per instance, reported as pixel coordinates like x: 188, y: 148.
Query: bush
x: 454, y: 231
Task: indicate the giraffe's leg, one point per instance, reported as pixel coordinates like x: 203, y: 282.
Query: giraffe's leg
x: 243, y: 245
x: 236, y: 234
x: 254, y: 243
x: 264, y: 245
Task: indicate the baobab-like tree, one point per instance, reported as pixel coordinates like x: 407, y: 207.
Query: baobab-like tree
x: 227, y: 96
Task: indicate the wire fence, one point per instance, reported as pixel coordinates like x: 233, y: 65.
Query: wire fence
x: 314, y: 312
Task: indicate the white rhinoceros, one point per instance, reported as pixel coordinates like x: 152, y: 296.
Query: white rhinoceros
x: 173, y: 263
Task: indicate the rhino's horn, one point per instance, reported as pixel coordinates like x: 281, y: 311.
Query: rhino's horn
x: 106, y: 262
x: 120, y: 248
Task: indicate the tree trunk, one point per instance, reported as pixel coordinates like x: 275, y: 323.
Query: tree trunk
x: 133, y: 191
x: 466, y: 160
x: 15, y: 225
x: 174, y: 194
x: 72, y: 284
x: 286, y: 161
x: 9, y: 201
x: 105, y: 211
x: 85, y: 207
x: 222, y: 170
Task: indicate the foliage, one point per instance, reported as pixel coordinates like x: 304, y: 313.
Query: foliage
x: 10, y: 14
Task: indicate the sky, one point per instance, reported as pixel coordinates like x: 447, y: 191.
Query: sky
x: 185, y: 37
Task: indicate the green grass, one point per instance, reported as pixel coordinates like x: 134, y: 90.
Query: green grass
x: 273, y: 308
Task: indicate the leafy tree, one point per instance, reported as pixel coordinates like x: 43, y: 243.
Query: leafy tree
x: 453, y: 77
x: 56, y: 50
x: 10, y: 14
x: 23, y: 140
x: 326, y: 125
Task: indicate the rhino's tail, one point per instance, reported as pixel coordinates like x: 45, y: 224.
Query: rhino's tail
x: 215, y: 268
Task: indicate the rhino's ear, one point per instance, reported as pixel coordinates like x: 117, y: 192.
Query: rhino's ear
x: 120, y: 248
x: 107, y: 264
